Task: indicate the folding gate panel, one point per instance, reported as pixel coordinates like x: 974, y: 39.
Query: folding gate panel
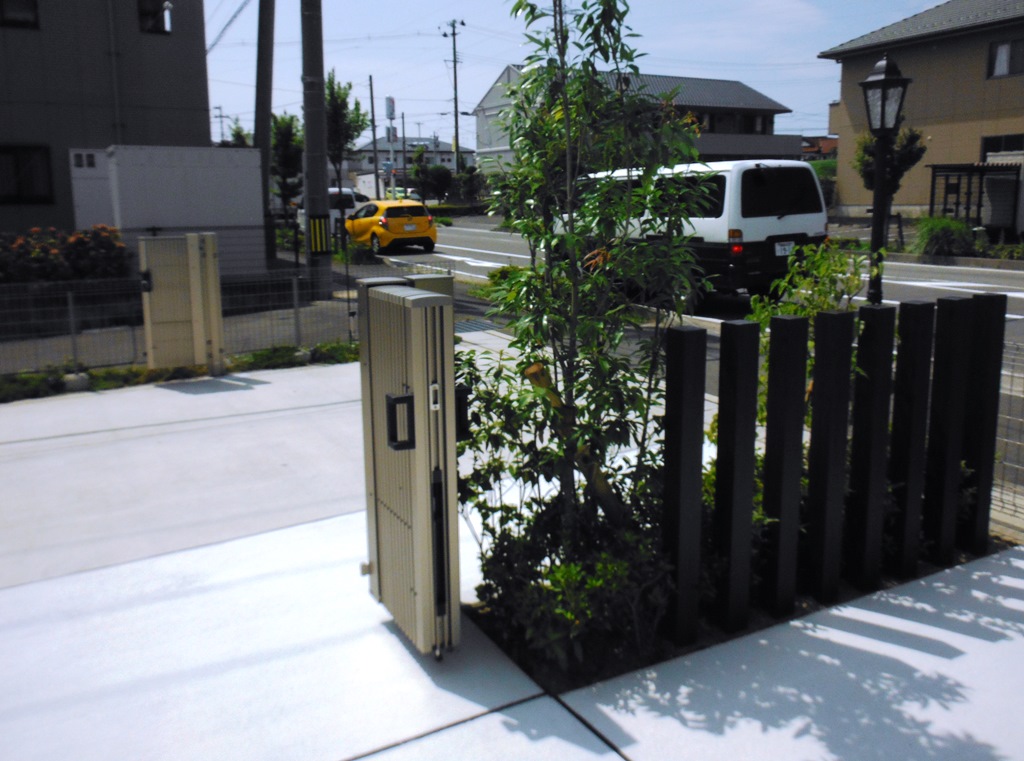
x: 182, y: 308
x: 409, y: 402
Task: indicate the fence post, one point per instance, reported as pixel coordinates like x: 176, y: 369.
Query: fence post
x: 686, y: 360
x: 985, y: 381
x: 73, y: 329
x: 946, y: 427
x: 734, y: 484
x: 909, y: 430
x: 783, y: 456
x: 830, y: 413
x: 295, y: 311
x: 869, y: 486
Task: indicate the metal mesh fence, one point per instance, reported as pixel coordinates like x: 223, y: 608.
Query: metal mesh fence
x: 96, y: 324
x: 1008, y: 493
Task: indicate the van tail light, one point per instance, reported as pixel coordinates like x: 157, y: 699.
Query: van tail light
x: 383, y: 222
x: 735, y: 242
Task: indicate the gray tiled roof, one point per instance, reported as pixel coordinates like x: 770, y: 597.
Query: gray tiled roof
x: 950, y: 17
x: 709, y: 93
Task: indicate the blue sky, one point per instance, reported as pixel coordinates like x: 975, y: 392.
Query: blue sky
x: 770, y: 45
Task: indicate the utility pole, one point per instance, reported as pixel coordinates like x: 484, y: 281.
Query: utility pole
x: 405, y: 159
x: 373, y: 136
x: 455, y: 82
x: 262, y: 124
x: 318, y: 247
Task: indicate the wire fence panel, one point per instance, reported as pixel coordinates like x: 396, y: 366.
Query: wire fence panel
x: 1008, y: 493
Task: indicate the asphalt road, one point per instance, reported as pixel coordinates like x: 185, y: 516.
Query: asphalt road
x: 474, y: 247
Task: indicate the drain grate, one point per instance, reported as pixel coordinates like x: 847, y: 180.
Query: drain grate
x: 471, y: 326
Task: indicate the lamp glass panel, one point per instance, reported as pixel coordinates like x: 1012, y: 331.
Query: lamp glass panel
x: 893, y: 100
x: 873, y: 101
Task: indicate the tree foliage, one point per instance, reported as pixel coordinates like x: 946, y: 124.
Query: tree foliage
x: 286, y: 157
x: 908, y: 150
x: 345, y: 123
x: 565, y: 456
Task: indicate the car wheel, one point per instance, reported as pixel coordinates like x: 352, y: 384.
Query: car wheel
x: 428, y: 246
x: 374, y: 244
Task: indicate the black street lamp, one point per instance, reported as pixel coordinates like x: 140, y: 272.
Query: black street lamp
x: 884, y: 91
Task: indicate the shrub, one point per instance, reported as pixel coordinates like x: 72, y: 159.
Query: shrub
x: 46, y: 255
x: 942, y: 236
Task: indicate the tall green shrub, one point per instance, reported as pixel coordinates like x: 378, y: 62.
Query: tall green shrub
x: 565, y: 458
x: 943, y: 236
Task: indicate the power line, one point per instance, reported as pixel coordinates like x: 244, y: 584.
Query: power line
x: 231, y: 20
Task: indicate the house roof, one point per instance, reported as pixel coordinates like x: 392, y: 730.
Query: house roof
x: 708, y: 93
x: 693, y: 93
x: 952, y: 17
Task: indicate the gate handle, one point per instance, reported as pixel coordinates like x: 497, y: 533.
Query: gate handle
x: 393, y: 402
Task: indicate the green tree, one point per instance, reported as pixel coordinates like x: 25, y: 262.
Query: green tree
x: 571, y: 535
x: 344, y: 123
x: 240, y: 136
x: 908, y: 150
x: 433, y: 180
x: 286, y: 157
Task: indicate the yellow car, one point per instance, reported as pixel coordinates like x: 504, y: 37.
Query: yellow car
x: 392, y: 224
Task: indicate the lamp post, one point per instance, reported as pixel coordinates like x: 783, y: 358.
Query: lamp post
x: 884, y: 91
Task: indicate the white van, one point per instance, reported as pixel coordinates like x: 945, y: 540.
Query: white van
x: 340, y: 201
x: 758, y: 212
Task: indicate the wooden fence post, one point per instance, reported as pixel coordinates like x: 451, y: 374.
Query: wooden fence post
x: 734, y: 486
x: 909, y: 430
x: 946, y: 426
x: 984, y: 382
x: 686, y: 358
x: 869, y: 449
x: 830, y: 413
x: 783, y: 456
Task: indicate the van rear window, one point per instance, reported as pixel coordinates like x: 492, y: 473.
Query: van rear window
x: 779, y: 192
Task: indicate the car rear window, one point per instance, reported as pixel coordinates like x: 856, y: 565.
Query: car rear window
x: 779, y: 192
x: 407, y: 211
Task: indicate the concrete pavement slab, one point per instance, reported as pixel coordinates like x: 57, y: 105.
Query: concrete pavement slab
x: 95, y: 479
x: 929, y: 670
x: 266, y: 647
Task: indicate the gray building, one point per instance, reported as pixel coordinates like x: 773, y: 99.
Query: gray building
x: 737, y: 122
x: 88, y: 74
x: 436, y: 152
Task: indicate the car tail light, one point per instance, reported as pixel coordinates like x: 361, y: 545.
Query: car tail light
x: 430, y: 220
x: 735, y: 242
x: 383, y: 222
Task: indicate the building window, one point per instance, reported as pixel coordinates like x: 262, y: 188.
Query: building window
x: 19, y: 13
x: 25, y: 175
x: 1001, y: 144
x: 1006, y: 59
x: 155, y: 16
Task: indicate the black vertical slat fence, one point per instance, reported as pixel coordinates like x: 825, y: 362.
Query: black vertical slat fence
x: 826, y: 478
x: 905, y: 496
x: 783, y: 458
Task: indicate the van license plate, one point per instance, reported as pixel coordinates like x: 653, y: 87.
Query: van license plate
x: 412, y: 227
x: 784, y: 249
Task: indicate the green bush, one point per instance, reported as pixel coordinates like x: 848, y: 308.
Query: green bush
x: 942, y: 236
x: 46, y: 255
x: 29, y: 386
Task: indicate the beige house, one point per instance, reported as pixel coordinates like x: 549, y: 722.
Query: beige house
x: 966, y: 60
x: 737, y: 122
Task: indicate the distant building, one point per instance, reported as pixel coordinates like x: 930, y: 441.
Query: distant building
x: 966, y: 60
x: 737, y: 122
x: 81, y: 76
x: 361, y: 161
x: 819, y: 148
